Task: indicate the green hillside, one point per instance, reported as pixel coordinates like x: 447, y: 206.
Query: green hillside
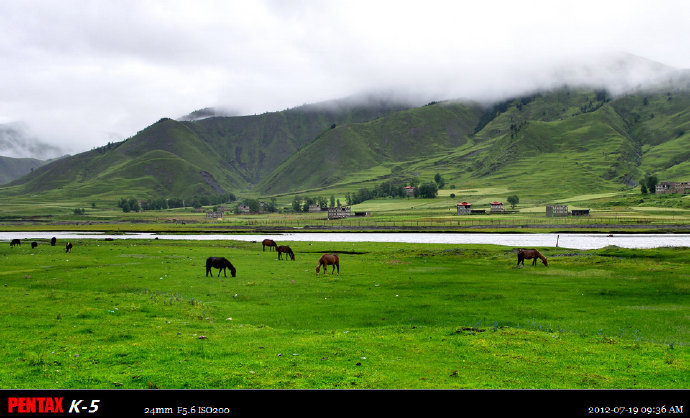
x: 338, y: 154
x: 193, y: 158
x: 551, y: 144
x: 12, y: 168
x: 555, y: 144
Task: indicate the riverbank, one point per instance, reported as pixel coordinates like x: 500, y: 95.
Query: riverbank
x: 205, y: 227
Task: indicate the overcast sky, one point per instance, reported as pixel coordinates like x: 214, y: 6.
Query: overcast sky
x: 83, y: 73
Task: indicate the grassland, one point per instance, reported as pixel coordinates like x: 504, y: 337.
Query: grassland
x: 142, y: 314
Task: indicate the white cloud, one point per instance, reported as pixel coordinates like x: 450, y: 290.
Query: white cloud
x: 83, y: 73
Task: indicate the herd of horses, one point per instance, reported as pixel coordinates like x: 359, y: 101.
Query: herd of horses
x: 34, y: 244
x: 325, y: 260
x: 223, y: 264
x: 334, y: 261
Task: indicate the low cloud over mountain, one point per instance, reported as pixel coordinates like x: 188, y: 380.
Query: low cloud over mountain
x: 17, y: 142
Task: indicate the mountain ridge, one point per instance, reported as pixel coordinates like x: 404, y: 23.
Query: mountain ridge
x: 612, y: 140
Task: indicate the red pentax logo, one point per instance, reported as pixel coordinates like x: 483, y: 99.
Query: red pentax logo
x: 32, y: 405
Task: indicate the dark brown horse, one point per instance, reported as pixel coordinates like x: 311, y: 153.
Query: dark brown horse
x: 287, y: 250
x: 531, y: 253
x: 68, y: 247
x: 269, y: 243
x: 15, y: 242
x: 328, y: 260
x: 221, y: 263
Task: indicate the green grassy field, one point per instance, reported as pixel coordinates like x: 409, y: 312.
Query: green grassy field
x: 142, y: 314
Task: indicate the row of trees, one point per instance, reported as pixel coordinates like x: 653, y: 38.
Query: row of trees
x: 132, y: 204
x: 302, y: 203
x: 391, y: 188
x: 257, y: 206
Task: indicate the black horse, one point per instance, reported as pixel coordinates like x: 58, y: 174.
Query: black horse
x: 68, y: 247
x: 52, y: 241
x: 15, y: 242
x: 221, y: 263
x: 34, y: 244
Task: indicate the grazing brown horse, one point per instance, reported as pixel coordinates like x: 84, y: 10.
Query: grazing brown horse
x: 531, y: 253
x: 328, y: 260
x: 221, y: 263
x: 268, y: 243
x: 287, y: 250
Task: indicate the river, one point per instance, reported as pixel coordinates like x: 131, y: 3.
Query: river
x: 582, y: 241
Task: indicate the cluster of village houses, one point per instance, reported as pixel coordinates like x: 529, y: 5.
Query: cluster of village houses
x: 464, y: 208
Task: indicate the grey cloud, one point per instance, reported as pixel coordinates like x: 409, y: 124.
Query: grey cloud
x: 82, y: 73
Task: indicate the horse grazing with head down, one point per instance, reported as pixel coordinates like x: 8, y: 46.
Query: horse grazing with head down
x: 269, y: 243
x: 533, y: 254
x: 328, y: 260
x: 15, y: 242
x: 287, y: 250
x: 221, y: 263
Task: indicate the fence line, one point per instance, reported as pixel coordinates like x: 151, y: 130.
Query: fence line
x: 468, y: 222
